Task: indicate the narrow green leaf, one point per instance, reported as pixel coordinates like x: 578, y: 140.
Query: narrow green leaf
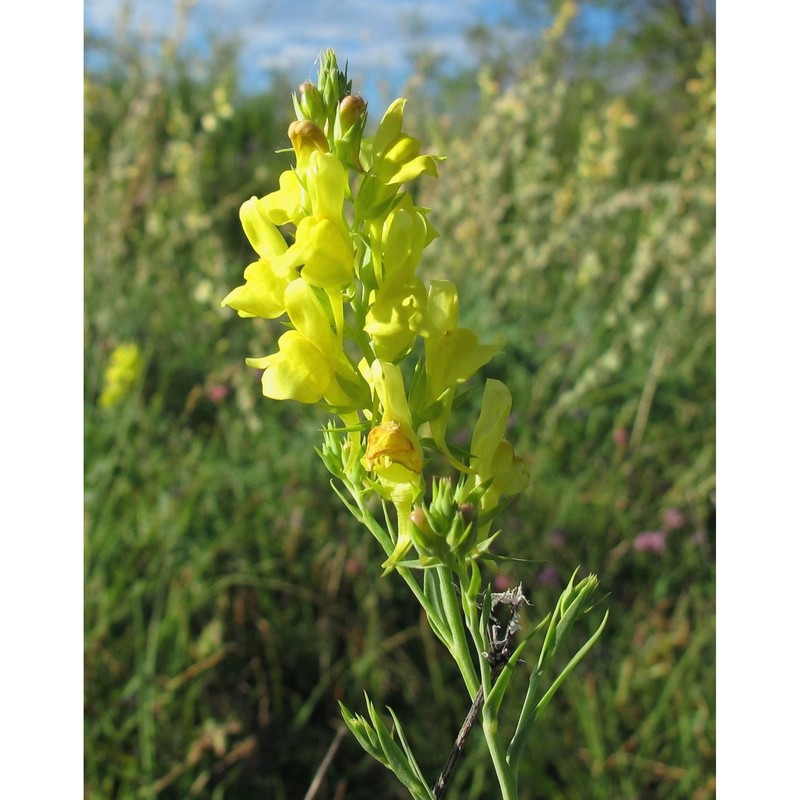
x: 495, y: 698
x: 548, y: 696
x: 397, y: 761
x: 409, y: 754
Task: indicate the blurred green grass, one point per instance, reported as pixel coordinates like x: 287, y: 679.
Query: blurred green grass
x: 229, y: 601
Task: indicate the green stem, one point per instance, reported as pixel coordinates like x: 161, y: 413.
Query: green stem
x: 523, y: 724
x: 376, y: 529
x: 460, y: 649
x: 505, y: 776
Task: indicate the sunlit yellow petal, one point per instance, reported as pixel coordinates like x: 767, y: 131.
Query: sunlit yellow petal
x: 298, y: 372
x: 261, y: 295
x: 265, y: 238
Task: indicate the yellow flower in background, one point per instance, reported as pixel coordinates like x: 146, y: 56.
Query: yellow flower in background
x: 124, y: 369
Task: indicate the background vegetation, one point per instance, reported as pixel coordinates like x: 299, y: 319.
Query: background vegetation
x: 229, y: 601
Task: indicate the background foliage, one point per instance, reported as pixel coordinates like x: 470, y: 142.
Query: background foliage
x: 229, y: 601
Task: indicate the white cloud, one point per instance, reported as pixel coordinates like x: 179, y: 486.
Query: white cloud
x: 373, y: 35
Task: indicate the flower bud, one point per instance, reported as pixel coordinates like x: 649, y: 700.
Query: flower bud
x: 348, y: 128
x: 423, y: 537
x: 468, y: 513
x: 310, y: 103
x: 351, y: 109
x: 418, y: 518
x: 307, y: 137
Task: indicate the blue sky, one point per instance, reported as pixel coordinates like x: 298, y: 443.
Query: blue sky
x: 373, y: 35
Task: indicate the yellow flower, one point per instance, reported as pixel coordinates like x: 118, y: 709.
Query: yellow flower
x: 397, y: 308
x: 310, y: 364
x: 307, y: 138
x: 393, y: 452
x: 323, y: 246
x: 124, y: 368
x: 452, y: 354
x: 395, y: 154
x: 396, y: 316
x: 388, y: 444
x: 285, y: 204
x: 262, y: 293
x: 290, y: 203
x: 493, y: 458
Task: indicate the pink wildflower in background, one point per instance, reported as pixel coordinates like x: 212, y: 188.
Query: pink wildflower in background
x: 650, y: 542
x: 549, y: 577
x: 557, y: 539
x: 503, y: 582
x: 218, y: 392
x: 673, y: 519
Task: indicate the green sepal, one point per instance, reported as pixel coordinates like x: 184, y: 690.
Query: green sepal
x: 431, y: 590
